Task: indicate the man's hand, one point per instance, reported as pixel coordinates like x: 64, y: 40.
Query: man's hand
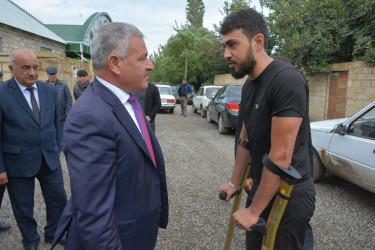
x: 66, y: 113
x: 188, y: 96
x: 248, y: 184
x: 3, y: 178
x: 244, y: 219
x: 227, y: 188
x: 148, y: 118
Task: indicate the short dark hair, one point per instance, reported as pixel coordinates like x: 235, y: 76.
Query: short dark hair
x: 249, y: 20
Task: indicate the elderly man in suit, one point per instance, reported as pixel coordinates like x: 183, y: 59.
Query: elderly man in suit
x: 117, y: 173
x: 29, y: 142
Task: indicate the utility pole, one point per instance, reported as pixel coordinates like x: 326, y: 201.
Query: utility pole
x: 186, y: 66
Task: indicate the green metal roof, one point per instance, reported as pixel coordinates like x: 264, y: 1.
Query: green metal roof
x: 72, y: 33
x: 67, y: 32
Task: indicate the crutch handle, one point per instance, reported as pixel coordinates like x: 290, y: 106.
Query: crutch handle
x: 223, y: 195
x: 260, y: 226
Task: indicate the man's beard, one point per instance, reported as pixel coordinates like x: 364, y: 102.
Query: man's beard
x: 246, y: 67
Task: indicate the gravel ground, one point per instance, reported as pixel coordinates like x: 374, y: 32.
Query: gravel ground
x: 198, y: 160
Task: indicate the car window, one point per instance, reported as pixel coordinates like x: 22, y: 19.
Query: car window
x: 210, y: 92
x: 165, y: 90
x: 220, y: 93
x: 364, y: 126
x: 234, y: 92
x: 200, y: 91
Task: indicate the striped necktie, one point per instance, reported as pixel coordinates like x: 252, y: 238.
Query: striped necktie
x: 133, y: 100
x: 34, y: 104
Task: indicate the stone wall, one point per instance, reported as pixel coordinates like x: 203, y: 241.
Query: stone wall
x: 360, y: 89
x: 13, y: 38
x: 227, y: 79
x: 66, y: 67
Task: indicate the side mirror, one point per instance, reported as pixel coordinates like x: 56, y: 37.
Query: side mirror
x: 340, y: 129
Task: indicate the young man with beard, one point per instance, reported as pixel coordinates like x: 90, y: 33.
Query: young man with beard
x: 274, y: 109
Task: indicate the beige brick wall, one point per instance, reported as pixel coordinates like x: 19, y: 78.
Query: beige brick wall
x: 227, y: 79
x: 360, y: 88
x: 18, y: 39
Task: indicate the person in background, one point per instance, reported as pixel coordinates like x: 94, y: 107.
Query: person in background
x: 82, y: 83
x: 183, y: 92
x: 150, y: 103
x: 64, y: 98
x: 117, y: 173
x: 30, y: 147
x: 275, y: 96
x: 1, y: 77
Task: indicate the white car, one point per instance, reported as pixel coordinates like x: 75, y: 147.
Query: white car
x: 203, y: 98
x: 168, y: 102
x: 346, y: 148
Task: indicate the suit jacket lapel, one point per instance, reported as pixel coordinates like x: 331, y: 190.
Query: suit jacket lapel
x: 122, y: 115
x: 16, y: 92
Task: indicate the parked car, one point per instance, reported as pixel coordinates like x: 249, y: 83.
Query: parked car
x: 168, y: 102
x: 204, y: 95
x: 346, y: 147
x: 223, y: 109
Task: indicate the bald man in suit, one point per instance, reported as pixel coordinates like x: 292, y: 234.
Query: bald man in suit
x: 30, y: 146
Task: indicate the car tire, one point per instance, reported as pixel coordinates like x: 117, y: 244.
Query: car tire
x: 208, y: 117
x: 222, y: 129
x: 319, y: 169
x: 171, y: 111
x: 203, y: 112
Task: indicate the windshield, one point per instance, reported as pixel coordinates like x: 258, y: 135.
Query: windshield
x: 234, y: 91
x: 210, y: 92
x: 165, y: 90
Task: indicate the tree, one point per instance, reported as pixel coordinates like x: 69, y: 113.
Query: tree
x: 228, y: 8
x: 194, y: 13
x: 313, y: 34
x: 205, y: 55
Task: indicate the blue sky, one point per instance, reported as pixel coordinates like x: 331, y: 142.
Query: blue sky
x: 155, y: 18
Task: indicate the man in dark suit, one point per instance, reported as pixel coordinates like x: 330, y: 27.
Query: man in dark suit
x: 117, y: 173
x: 150, y: 102
x: 29, y: 142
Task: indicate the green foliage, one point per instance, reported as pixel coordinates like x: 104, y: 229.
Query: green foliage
x: 204, y: 53
x: 232, y: 7
x: 313, y: 34
x: 194, y: 13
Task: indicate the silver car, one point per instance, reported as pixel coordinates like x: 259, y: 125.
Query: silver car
x: 346, y: 148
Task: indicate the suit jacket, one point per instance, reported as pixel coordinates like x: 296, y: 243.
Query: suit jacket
x: 118, y: 196
x: 23, y: 140
x: 151, y: 102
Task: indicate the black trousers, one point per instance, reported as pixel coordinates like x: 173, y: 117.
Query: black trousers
x: 2, y: 191
x: 291, y: 232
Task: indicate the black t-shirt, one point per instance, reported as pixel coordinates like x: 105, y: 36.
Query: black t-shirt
x: 281, y: 91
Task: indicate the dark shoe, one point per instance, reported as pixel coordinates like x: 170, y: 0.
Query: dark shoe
x: 49, y: 240
x: 31, y: 248
x: 182, y: 114
x: 4, y: 226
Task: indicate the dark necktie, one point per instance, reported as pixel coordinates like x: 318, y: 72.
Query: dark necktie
x: 34, y: 104
x: 133, y: 100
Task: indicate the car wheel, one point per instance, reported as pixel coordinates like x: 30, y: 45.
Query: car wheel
x: 171, y: 111
x: 203, y: 113
x: 222, y: 129
x: 319, y: 169
x: 208, y: 117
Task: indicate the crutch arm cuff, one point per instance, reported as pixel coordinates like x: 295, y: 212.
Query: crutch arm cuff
x: 290, y: 175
